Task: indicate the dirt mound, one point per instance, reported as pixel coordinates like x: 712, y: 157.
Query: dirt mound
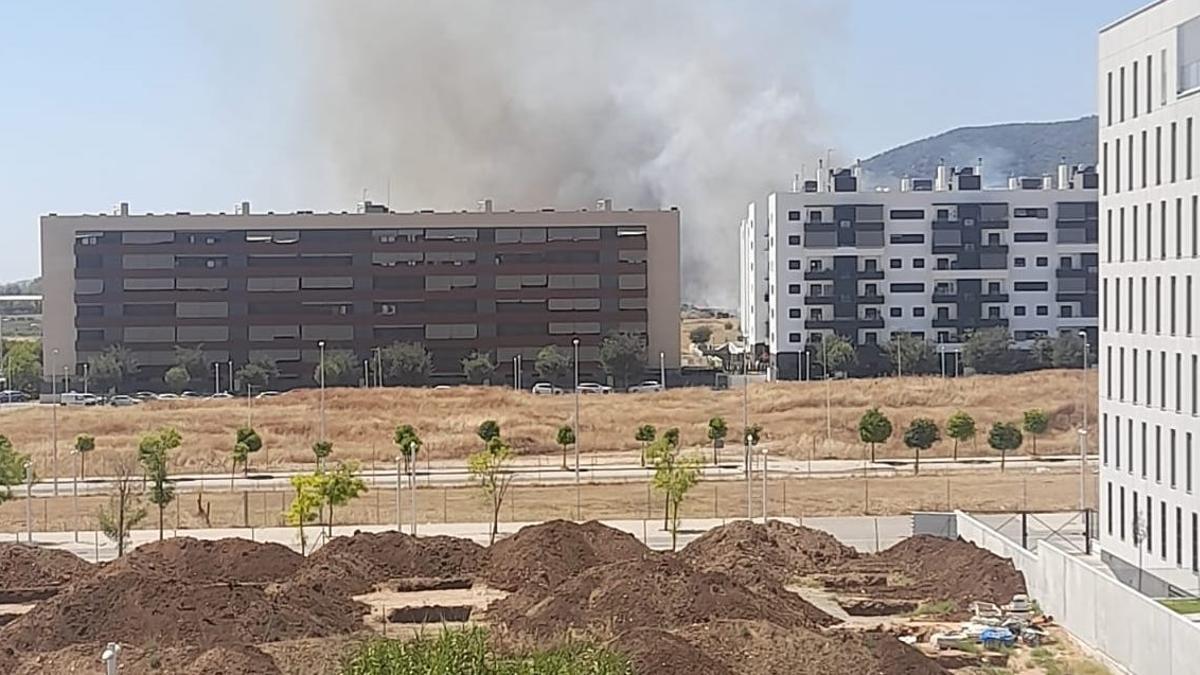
x: 140, y: 609
x: 240, y: 659
x: 658, y: 591
x: 777, y: 551
x: 928, y: 568
x: 764, y: 648
x: 220, y: 560
x: 355, y: 564
x: 658, y: 652
x: 549, y: 553
x: 25, y: 566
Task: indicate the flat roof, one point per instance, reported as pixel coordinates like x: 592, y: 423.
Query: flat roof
x: 1132, y: 14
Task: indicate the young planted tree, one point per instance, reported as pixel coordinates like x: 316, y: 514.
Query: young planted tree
x: 488, y: 429
x: 239, y: 455
x: 478, y: 367
x: 258, y: 374
x: 565, y: 437
x: 874, y: 427
x: 306, y: 504
x: 673, y: 476
x: 341, y: 368
x: 1004, y: 437
x: 253, y: 442
x: 322, y: 450
x: 920, y: 435
x: 645, y: 434
x: 717, y: 430
x: 339, y: 486
x: 960, y: 427
x: 700, y: 335
x: 490, y: 466
x: 672, y: 436
x: 84, y: 443
x: 12, y: 468
x: 834, y: 354
x: 1035, y: 423
x: 409, y: 444
x: 176, y: 378
x: 153, y: 454
x: 752, y: 435
x: 123, y: 512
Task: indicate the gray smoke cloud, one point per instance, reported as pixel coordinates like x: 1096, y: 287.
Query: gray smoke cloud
x: 541, y: 103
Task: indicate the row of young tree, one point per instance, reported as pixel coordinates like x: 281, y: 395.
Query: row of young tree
x: 987, y: 351
x: 922, y: 433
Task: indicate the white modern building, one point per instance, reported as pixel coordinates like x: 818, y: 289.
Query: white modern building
x: 1149, y: 102
x: 937, y: 258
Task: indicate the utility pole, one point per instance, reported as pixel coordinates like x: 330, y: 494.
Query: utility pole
x: 1083, y: 429
x: 54, y: 416
x: 578, y: 498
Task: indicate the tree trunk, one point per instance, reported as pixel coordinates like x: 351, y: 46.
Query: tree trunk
x: 1003, y: 452
x: 82, y: 465
x: 495, y: 521
x: 160, y: 521
x: 232, y: 473
x: 642, y: 459
x: 715, y: 462
x: 122, y: 495
x: 674, y: 528
x: 956, y: 449
x: 872, y: 453
x: 564, y: 458
x: 917, y: 466
x: 303, y: 540
x: 667, y: 511
x: 1034, y: 436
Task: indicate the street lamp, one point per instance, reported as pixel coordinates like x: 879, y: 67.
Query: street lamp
x: 399, y: 520
x: 412, y: 484
x: 378, y: 367
x: 321, y: 371
x: 75, y: 493
x: 662, y: 370
x: 764, y: 485
x: 216, y: 378
x: 28, y: 466
x: 54, y: 416
x: 746, y: 408
x: 578, y: 500
x: 1083, y: 428
x: 66, y: 378
x: 85, y: 378
x: 749, y: 478
x: 109, y: 657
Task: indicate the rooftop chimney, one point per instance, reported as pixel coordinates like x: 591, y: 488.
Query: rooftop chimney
x: 245, y: 208
x: 821, y: 175
x: 123, y: 208
x: 858, y: 169
x: 905, y: 184
x: 485, y: 205
x: 604, y: 205
x: 1064, y: 175
x: 940, y: 183
x: 1014, y: 183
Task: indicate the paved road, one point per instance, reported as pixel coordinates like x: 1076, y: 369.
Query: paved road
x: 598, y: 468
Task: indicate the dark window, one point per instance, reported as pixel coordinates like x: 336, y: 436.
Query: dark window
x: 1043, y: 310
x: 795, y: 313
x: 1031, y: 286
x: 895, y: 263
x: 793, y: 264
x: 1031, y: 213
x: 795, y: 215
x: 1019, y: 310
x: 1018, y: 261
x: 1065, y: 311
x: 1042, y: 261
x: 795, y: 337
x: 1023, y: 237
x: 908, y: 288
x: 918, y: 263
x: 907, y: 238
x: 90, y: 310
x: 90, y: 334
x: 907, y: 214
x: 918, y: 312
x: 993, y: 312
x: 814, y: 216
x: 870, y: 337
x: 943, y: 263
x: 794, y: 289
x: 793, y: 240
x: 896, y: 312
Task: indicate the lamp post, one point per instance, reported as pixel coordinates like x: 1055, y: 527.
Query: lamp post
x: 412, y: 484
x: 231, y: 381
x: 54, y: 417
x: 66, y: 378
x: 662, y: 370
x: 399, y: 520
x: 321, y: 371
x: 764, y: 485
x: 828, y: 391
x: 216, y: 378
x: 1083, y: 428
x: 515, y: 385
x: 749, y: 479
x: 578, y: 500
x: 75, y: 494
x: 109, y: 657
x: 28, y: 466
x: 85, y: 378
x: 746, y: 410
x: 378, y: 367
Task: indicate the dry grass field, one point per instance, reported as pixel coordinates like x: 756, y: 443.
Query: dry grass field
x: 360, y: 422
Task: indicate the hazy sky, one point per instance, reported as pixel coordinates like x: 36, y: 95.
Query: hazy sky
x: 174, y: 105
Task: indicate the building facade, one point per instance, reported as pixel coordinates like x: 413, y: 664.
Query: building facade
x: 752, y: 268
x: 275, y: 286
x: 1149, y: 103
x: 937, y: 258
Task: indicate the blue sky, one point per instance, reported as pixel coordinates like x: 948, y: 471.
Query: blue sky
x: 173, y: 105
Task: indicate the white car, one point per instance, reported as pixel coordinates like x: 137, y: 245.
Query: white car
x: 594, y: 388
x: 266, y: 394
x: 73, y: 398
x: 648, y: 385
x: 121, y: 400
x: 545, y: 388
x: 221, y: 395
x: 167, y: 397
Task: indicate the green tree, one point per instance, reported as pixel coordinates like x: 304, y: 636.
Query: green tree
x: 1035, y: 422
x: 12, y: 468
x: 193, y: 361
x: 321, y: 450
x: 23, y: 365
x: 700, y: 335
x: 488, y: 429
x: 153, y: 454
x: 258, y: 374
x: 478, y: 367
x: 673, y: 476
x: 672, y: 436
x: 176, y: 378
x: 339, y: 486
x: 409, y: 443
x: 407, y: 364
x: 1041, y: 353
x: 834, y: 353
x: 123, y: 512
x: 552, y: 364
x: 912, y: 355
x: 645, y: 434
x: 490, y: 467
x: 1067, y: 351
x: 239, y: 455
x: 623, y: 356
x: 306, y: 504
x: 960, y: 427
x: 565, y: 437
x: 1004, y: 437
x: 84, y: 443
x: 253, y: 442
x: 990, y: 350
x: 341, y: 369
x: 753, y: 434
x: 111, y: 368
x: 874, y: 427
x: 920, y: 435
x: 717, y: 430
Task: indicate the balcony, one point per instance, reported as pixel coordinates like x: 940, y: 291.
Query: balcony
x: 944, y: 296
x: 994, y: 297
x: 967, y: 322
x: 870, y: 275
x: 1076, y: 272
x: 819, y: 275
x: 818, y: 299
x: 848, y: 323
x: 873, y: 299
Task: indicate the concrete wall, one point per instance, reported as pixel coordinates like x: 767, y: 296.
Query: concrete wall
x: 1126, y: 627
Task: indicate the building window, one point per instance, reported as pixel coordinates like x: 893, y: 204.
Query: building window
x: 918, y: 312
x: 795, y: 313
x: 895, y: 263
x: 795, y: 337
x: 1065, y: 311
x: 895, y: 312
x: 794, y: 289
x: 1018, y: 261
x: 918, y: 263
x: 793, y: 264
x: 1043, y: 261
x: 1019, y: 310
x: 1043, y: 310
x: 793, y: 240
x: 1173, y: 464
x: 795, y: 215
x: 1110, y: 509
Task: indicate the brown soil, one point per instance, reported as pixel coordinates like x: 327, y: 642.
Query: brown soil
x: 200, y: 560
x: 776, y: 552
x: 240, y: 659
x: 353, y: 565
x: 927, y: 568
x: 25, y: 566
x: 549, y: 553
x: 152, y: 660
x: 659, y: 652
x: 313, y: 656
x: 658, y: 591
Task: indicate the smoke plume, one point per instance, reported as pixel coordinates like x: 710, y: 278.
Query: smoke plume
x: 542, y: 103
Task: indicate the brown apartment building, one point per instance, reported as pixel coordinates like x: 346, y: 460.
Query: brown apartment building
x: 267, y: 285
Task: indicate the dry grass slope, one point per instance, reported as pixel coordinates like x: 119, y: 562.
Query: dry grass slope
x: 360, y: 422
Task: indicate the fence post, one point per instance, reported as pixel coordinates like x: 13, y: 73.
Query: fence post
x: 1025, y: 530
x: 1087, y: 531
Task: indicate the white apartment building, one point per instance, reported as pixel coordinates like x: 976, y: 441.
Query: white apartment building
x: 1149, y: 102
x: 937, y: 258
x: 752, y: 238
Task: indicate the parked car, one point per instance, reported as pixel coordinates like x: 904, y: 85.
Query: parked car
x: 167, y: 397
x: 648, y: 385
x: 73, y: 398
x: 442, y: 387
x: 145, y: 395
x: 594, y: 388
x: 121, y: 401
x: 267, y: 394
x: 13, y: 396
x: 545, y: 388
x: 93, y: 399
x: 221, y: 395
x: 191, y: 394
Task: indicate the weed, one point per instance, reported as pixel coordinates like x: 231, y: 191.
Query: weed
x: 936, y: 608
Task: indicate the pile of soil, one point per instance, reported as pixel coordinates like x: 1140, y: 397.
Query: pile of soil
x: 549, y: 553
x: 241, y: 659
x: 221, y: 560
x: 777, y: 552
x: 151, y: 660
x: 928, y: 568
x: 25, y: 566
x: 651, y: 650
x: 356, y: 564
x: 657, y: 591
x: 146, y: 609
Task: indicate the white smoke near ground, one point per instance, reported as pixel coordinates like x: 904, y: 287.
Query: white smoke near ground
x: 540, y: 103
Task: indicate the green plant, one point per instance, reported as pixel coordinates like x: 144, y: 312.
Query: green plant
x: 644, y: 435
x: 84, y: 443
x: 340, y: 368
x: 253, y: 442
x: 176, y: 378
x: 717, y: 430
x: 920, y: 435
x: 109, y: 369
x: 874, y: 427
x: 623, y: 356
x: 321, y: 450
x: 752, y: 434
x: 674, y: 476
x: 552, y: 363
x: 257, y: 373
x: 488, y: 429
x: 406, y: 363
x: 936, y: 608
x: 306, y: 504
x: 700, y: 335
x: 834, y: 353
x: 1034, y: 423
x: 490, y: 467
x: 409, y: 443
x: 153, y: 454
x: 565, y: 437
x: 1004, y: 437
x: 478, y: 367
x: 960, y: 427
x: 123, y: 513
x: 339, y: 486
